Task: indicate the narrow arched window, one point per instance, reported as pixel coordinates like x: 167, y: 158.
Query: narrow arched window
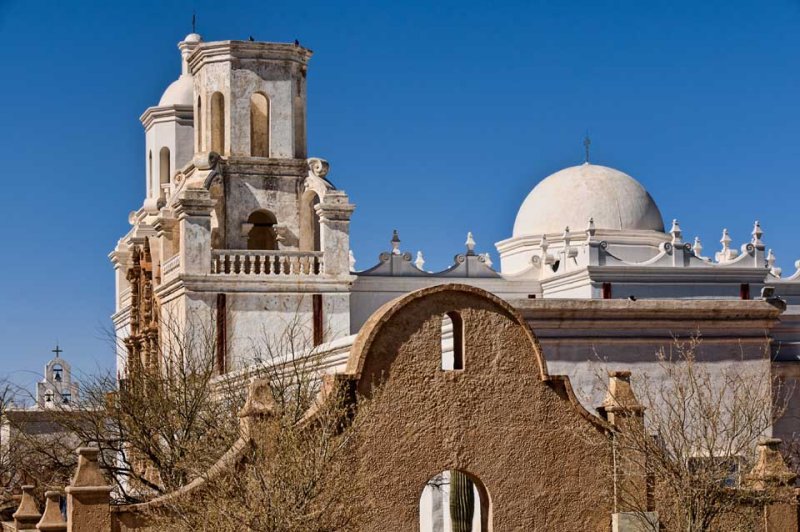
x: 217, y: 122
x: 164, y: 169
x: 150, y: 170
x: 309, y: 222
x: 259, y: 125
x: 262, y: 231
x: 199, y: 124
x: 452, y: 341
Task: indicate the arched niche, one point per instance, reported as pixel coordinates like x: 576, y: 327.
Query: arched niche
x: 259, y: 125
x: 310, y: 239
x: 262, y: 234
x: 218, y: 122
x: 454, y: 501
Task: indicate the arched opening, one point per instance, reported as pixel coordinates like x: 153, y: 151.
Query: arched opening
x: 454, y: 501
x: 164, y: 169
x: 262, y: 233
x: 150, y: 170
x: 57, y: 372
x: 452, y: 341
x: 217, y: 122
x: 199, y: 123
x: 259, y: 125
x: 309, y: 222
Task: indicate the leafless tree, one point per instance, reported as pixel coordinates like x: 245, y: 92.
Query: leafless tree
x: 690, y: 457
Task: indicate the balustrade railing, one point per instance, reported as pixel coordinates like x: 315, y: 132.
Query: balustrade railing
x: 256, y: 263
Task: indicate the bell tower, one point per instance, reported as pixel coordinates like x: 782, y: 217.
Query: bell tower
x: 255, y: 84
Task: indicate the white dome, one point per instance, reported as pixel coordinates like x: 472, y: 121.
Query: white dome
x: 571, y: 196
x: 180, y: 92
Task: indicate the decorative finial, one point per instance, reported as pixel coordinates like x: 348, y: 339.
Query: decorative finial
x: 470, y: 243
x: 566, y: 236
x: 194, y: 22
x: 757, y: 234
x: 543, y: 244
x: 677, y: 234
x: 590, y: 229
x: 697, y: 247
x: 395, y: 243
x: 725, y: 240
x: 487, y: 259
x: 774, y: 270
x: 57, y: 350
x: 420, y: 262
x: 586, y: 143
x: 352, y: 261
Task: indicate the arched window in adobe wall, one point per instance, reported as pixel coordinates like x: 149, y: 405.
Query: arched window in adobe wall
x: 198, y: 122
x: 452, y: 341
x: 262, y: 235
x: 164, y: 167
x: 309, y: 222
x: 454, y: 500
x: 259, y: 125
x: 217, y: 122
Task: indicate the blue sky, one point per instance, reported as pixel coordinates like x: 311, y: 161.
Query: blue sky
x: 437, y: 119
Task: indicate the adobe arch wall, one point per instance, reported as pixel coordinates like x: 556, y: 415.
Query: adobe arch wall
x: 541, y: 458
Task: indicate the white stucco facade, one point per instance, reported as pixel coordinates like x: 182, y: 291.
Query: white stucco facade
x: 248, y: 232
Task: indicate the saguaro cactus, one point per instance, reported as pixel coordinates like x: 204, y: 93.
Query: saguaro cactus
x: 462, y: 501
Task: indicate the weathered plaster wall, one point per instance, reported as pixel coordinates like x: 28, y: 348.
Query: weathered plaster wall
x: 497, y: 415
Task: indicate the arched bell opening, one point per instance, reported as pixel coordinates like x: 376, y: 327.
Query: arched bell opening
x: 262, y: 234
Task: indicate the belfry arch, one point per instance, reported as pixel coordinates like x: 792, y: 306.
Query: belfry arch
x: 310, y: 238
x: 259, y: 125
x: 262, y: 234
x: 218, y: 122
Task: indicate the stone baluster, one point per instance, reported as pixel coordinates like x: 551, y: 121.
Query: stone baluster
x: 88, y: 495
x: 52, y: 520
x: 27, y: 514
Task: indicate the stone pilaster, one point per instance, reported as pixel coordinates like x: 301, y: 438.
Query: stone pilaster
x: 52, y: 520
x: 193, y: 211
x: 88, y: 495
x: 27, y: 514
x: 334, y: 216
x: 772, y: 475
x: 624, y: 411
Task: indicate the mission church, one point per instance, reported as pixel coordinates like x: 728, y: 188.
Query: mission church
x: 239, y: 228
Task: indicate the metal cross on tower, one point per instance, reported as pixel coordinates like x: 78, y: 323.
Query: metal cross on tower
x: 57, y: 350
x: 586, y: 143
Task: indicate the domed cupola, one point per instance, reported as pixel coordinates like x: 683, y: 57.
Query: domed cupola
x: 570, y: 197
x: 555, y: 217
x: 169, y: 129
